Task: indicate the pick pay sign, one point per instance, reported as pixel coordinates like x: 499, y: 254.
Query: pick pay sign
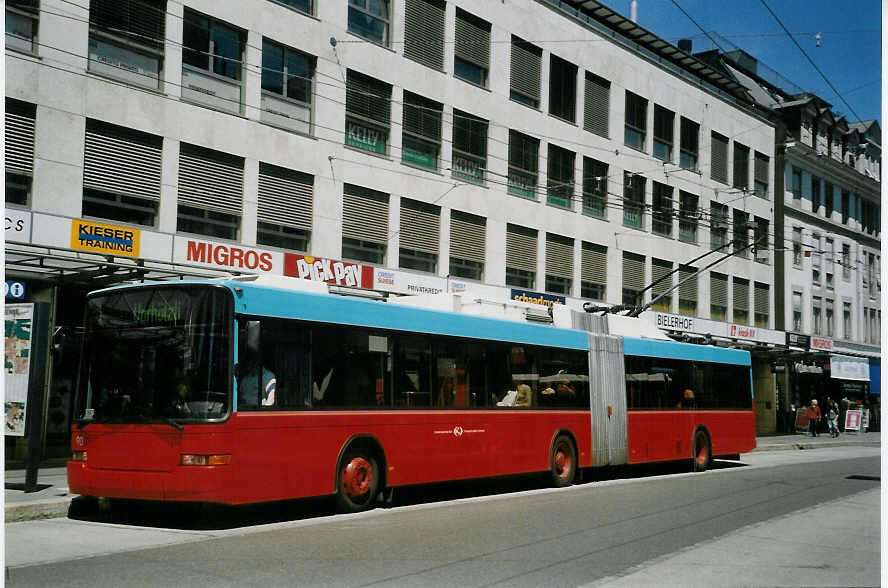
x: 331, y: 271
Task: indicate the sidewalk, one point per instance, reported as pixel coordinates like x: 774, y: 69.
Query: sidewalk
x: 53, y: 499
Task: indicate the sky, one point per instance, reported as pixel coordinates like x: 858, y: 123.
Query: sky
x: 848, y: 55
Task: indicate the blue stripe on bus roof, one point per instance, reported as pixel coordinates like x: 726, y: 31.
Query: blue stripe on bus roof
x: 326, y: 308
x: 675, y: 350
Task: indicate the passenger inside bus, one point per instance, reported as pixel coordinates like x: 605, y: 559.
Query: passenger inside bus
x: 256, y: 384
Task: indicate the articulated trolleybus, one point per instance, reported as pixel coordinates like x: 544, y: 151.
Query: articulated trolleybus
x: 251, y: 389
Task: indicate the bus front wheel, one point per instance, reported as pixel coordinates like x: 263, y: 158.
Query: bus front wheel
x: 357, y: 481
x: 563, y: 461
x: 702, y: 447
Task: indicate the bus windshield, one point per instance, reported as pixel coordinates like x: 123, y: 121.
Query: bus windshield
x: 157, y: 354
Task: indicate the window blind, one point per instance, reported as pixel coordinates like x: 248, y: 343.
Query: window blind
x: 596, y: 105
x: 424, y: 32
x: 285, y: 196
x: 633, y: 271
x: 521, y: 248
x: 559, y: 256
x: 472, y: 39
x: 718, y: 288
x: 365, y: 214
x: 526, y: 70
x: 19, y: 136
x: 593, y: 264
x: 211, y: 179
x: 468, y: 236
x: 420, y: 226
x: 122, y: 161
x: 719, y: 148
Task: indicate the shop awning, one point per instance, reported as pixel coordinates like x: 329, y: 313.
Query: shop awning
x: 875, y: 370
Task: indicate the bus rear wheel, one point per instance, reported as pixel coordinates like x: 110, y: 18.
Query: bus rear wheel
x: 702, y: 447
x: 563, y: 461
x: 357, y: 481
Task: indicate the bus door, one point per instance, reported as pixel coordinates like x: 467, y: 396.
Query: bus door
x: 607, y: 381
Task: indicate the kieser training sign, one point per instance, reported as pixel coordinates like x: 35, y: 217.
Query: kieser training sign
x: 331, y: 271
x: 102, y: 238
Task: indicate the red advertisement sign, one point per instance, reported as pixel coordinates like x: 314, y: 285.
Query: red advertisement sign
x: 318, y: 269
x: 852, y: 420
x: 821, y: 343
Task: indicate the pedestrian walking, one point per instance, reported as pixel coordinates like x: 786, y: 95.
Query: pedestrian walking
x: 833, y: 417
x: 813, y: 417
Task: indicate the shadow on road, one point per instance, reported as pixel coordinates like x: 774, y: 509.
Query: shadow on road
x: 193, y: 516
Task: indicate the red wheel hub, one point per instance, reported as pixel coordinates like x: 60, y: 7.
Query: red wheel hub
x: 357, y: 477
x: 562, y: 462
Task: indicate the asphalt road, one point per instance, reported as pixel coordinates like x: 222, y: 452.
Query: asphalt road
x: 588, y: 533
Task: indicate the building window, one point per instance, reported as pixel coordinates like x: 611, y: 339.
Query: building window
x: 719, y: 158
x: 521, y: 256
x: 797, y: 311
x: 815, y: 194
x: 636, y: 121
x: 816, y: 256
x: 419, y: 236
x: 523, y: 164
x: 687, y: 291
x: 829, y: 318
x: 18, y: 189
x: 796, y: 184
x: 559, y: 264
x: 121, y: 174
x: 718, y: 297
x: 828, y: 199
x: 846, y: 206
x: 471, y: 52
x: 367, y: 113
x: 661, y: 210
x: 126, y: 40
x: 741, y: 301
x: 468, y: 236
x: 560, y: 176
x: 741, y: 166
x: 688, y: 215
x: 846, y: 262
x: 210, y: 223
x: 22, y: 17
x: 285, y: 208
x: 661, y: 285
x: 359, y: 250
x: 797, y: 246
x: 19, y: 120
x: 210, y: 196
x: 593, y: 271
x: 664, y: 128
x: 633, y: 200
x: 469, y: 147
x: 762, y: 246
x: 370, y: 19
x: 816, y: 313
x: 421, y: 141
x: 633, y: 278
x: 741, y: 234
x: 300, y: 5
x: 594, y: 187
x: 562, y: 89
x: 287, y: 78
x: 829, y: 265
x: 526, y: 73
x: 596, y: 107
x: 762, y: 304
x: 762, y: 163
x: 718, y: 226
x: 690, y: 144
x: 365, y: 231
x: 212, y: 68
x: 846, y: 321
x: 424, y: 32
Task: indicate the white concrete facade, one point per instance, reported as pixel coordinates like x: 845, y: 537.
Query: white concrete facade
x: 58, y: 81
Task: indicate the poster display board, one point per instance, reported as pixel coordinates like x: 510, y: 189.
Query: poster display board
x: 17, y: 363
x: 853, y: 420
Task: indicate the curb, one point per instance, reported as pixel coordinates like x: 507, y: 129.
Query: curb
x: 47, y: 508
x: 806, y: 445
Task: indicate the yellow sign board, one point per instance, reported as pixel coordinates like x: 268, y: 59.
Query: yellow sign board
x: 101, y: 238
